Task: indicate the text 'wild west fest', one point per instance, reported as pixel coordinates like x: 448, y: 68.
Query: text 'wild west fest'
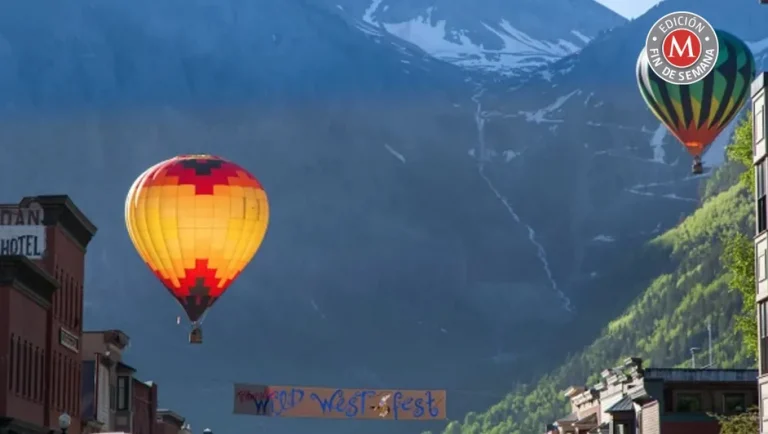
x: 324, y: 402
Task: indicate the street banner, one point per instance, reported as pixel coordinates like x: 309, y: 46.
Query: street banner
x: 334, y: 403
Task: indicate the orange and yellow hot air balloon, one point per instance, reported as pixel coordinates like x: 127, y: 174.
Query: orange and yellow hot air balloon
x: 196, y: 221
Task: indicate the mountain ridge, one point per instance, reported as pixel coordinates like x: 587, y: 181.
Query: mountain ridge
x: 500, y: 37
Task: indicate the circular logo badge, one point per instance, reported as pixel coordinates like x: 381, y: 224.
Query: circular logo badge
x: 682, y: 48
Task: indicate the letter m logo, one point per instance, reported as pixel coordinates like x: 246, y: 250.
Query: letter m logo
x: 685, y: 50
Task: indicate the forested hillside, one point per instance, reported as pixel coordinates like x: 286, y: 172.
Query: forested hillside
x: 710, y: 260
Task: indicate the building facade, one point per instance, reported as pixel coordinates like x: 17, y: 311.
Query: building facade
x: 144, y: 409
x: 107, y: 387
x: 761, y: 237
x: 169, y: 422
x: 632, y: 400
x: 42, y: 265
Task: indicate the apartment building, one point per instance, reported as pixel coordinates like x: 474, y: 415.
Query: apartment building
x: 632, y: 400
x: 43, y: 240
x: 760, y: 152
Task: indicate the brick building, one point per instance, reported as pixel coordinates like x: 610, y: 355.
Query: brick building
x: 42, y: 265
x: 144, y: 407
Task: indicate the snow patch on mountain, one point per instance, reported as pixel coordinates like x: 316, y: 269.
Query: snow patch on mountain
x: 540, y: 116
x: 657, y: 143
x: 487, y: 42
x: 758, y: 46
x: 518, y: 50
x: 395, y: 154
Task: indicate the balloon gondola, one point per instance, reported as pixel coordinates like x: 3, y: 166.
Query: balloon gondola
x: 196, y: 221
x: 697, y: 113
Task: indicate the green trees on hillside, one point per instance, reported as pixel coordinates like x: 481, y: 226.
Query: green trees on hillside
x: 710, y: 279
x: 739, y: 258
x: 739, y: 252
x: 740, y: 151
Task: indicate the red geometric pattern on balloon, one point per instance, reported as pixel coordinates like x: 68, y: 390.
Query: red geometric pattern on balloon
x: 227, y: 173
x: 190, y: 280
x: 696, y: 140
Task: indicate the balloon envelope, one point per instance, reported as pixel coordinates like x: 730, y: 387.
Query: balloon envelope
x: 697, y: 113
x: 196, y: 221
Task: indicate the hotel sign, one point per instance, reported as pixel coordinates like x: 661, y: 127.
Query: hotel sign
x: 22, y: 231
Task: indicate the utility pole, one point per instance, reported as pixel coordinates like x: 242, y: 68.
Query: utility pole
x: 709, y: 332
x: 693, y: 357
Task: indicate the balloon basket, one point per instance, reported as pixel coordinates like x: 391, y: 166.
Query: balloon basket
x: 697, y: 169
x: 196, y: 336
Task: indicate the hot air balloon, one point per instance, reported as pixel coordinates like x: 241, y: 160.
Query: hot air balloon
x: 196, y: 221
x: 696, y: 113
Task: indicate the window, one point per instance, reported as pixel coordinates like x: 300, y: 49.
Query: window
x: 19, y: 365
x: 41, y: 391
x: 72, y: 301
x: 54, y: 384
x: 760, y: 195
x: 123, y: 393
x: 761, y: 269
x: 78, y: 307
x: 13, y: 364
x: 35, y: 375
x: 112, y: 397
x: 759, y: 124
x: 688, y: 402
x: 734, y: 403
x: 59, y: 381
x: 762, y: 309
x: 57, y: 295
x: 67, y: 380
x: 25, y: 367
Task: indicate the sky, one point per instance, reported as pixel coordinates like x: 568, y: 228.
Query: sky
x: 629, y: 8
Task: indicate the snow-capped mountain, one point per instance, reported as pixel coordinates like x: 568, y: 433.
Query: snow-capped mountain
x: 582, y: 125
x: 595, y: 90
x: 492, y: 35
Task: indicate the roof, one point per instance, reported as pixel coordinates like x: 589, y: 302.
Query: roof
x: 624, y: 404
x: 124, y: 366
x: 570, y: 418
x: 172, y: 414
x: 701, y: 375
x: 60, y: 209
x: 573, y: 391
x: 589, y: 420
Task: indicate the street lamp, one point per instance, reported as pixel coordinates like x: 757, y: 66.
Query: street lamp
x: 64, y: 422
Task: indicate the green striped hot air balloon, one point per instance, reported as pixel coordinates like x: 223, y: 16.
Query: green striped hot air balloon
x: 696, y: 113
